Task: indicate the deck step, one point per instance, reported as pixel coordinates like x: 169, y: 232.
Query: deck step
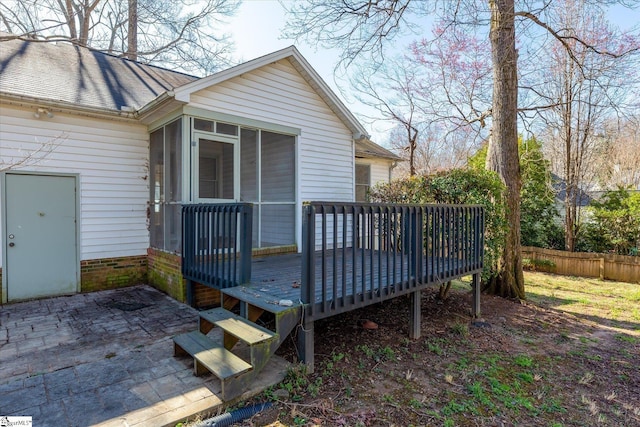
x: 210, y: 355
x: 237, y: 326
x: 258, y: 298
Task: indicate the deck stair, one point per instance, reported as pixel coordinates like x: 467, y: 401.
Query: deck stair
x: 236, y: 368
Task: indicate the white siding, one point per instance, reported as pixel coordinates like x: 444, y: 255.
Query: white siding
x: 278, y: 94
x: 110, y: 157
x: 379, y: 169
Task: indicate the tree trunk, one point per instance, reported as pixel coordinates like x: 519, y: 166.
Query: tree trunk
x: 569, y: 170
x: 132, y: 31
x: 502, y: 156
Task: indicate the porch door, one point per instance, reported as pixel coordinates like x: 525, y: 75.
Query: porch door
x: 40, y: 242
x: 216, y: 180
x: 216, y: 170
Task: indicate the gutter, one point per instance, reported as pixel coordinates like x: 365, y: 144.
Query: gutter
x: 158, y: 101
x: 67, y: 107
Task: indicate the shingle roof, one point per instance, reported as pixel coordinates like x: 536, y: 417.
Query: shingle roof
x: 366, y: 148
x: 62, y: 72
x: 560, y: 187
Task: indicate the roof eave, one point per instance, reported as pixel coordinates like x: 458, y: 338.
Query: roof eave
x: 66, y: 107
x: 161, y: 105
x: 369, y: 155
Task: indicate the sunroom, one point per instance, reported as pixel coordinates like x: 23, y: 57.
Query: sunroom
x: 202, y: 157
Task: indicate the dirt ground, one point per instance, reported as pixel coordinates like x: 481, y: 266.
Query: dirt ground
x: 520, y: 365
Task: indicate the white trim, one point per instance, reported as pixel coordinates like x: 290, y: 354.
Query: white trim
x: 196, y: 135
x: 164, y: 120
x: 298, y: 192
x: 183, y: 93
x: 201, y: 113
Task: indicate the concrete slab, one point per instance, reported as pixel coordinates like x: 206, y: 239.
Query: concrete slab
x: 106, y: 359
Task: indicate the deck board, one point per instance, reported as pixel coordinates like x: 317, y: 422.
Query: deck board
x: 280, y: 276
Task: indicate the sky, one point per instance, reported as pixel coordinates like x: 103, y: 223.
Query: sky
x: 256, y: 30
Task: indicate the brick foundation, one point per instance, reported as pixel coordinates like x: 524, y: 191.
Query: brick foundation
x: 206, y: 297
x: 165, y: 274
x: 160, y: 269
x: 111, y: 273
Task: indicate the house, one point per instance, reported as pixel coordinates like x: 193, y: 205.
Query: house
x: 98, y: 153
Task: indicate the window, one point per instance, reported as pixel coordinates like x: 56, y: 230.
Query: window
x: 268, y: 170
x: 165, y: 173
x: 363, y: 182
x: 215, y: 127
x: 216, y: 170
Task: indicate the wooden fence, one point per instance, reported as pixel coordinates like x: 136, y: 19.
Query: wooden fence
x: 621, y: 268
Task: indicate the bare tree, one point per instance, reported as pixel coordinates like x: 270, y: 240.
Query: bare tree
x: 437, y: 95
x: 619, y: 166
x: 373, y: 87
x: 584, y: 91
x: 361, y: 29
x: 177, y: 33
x: 18, y: 157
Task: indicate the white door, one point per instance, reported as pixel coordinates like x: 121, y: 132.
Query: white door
x: 40, y: 241
x: 216, y: 167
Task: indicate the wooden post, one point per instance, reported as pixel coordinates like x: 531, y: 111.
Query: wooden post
x: 476, y: 296
x: 602, y: 261
x: 305, y: 344
x: 246, y: 236
x: 415, y: 315
x: 190, y: 293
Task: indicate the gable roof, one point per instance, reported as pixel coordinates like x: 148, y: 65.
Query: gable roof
x: 560, y: 187
x: 70, y: 74
x: 61, y: 72
x: 300, y: 64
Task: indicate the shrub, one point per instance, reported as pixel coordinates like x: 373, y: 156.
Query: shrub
x: 456, y: 186
x: 613, y: 224
x: 538, y: 213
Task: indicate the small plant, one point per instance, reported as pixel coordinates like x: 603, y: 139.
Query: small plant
x: 526, y: 377
x: 415, y: 404
x: 366, y: 350
x: 268, y: 394
x: 296, y: 382
x: 387, y: 353
x: 435, y: 348
x: 461, y: 329
x: 523, y: 361
x: 627, y: 338
x: 388, y: 398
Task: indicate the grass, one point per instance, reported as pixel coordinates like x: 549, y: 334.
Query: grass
x: 531, y: 367
x: 614, y: 302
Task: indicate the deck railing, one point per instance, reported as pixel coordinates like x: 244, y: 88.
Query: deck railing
x: 216, y: 244
x: 372, y: 252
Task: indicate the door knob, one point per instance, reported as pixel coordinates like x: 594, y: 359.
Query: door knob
x: 11, y: 244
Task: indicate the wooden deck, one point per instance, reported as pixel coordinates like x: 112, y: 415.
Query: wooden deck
x: 280, y: 276
x: 353, y: 255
